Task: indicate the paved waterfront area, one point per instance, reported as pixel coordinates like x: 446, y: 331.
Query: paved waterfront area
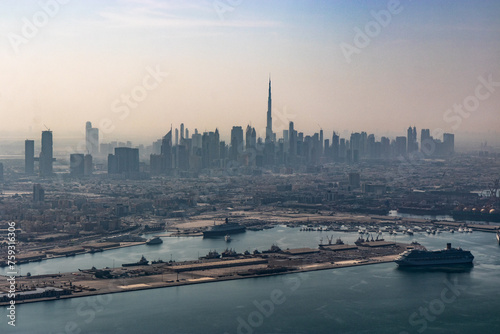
x: 87, y: 283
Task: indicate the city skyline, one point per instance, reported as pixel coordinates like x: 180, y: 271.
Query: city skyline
x: 203, y: 151
x: 207, y: 67
x: 244, y: 166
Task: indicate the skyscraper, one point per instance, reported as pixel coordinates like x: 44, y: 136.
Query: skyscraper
x: 400, y: 146
x: 250, y: 138
x: 91, y: 139
x: 342, y: 150
x: 125, y: 160
x: 46, y: 155
x: 335, y: 146
x: 76, y: 164
x: 321, y: 142
x: 211, y: 153
x: 87, y: 165
x: 236, y: 142
x: 426, y: 142
x: 448, y: 143
x: 411, y: 140
x: 166, y: 152
x: 292, y: 148
x: 355, y: 146
x: 385, y: 144
x: 29, y: 156
x: 269, y: 127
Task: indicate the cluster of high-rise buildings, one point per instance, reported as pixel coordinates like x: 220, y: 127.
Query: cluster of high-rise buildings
x: 292, y: 149
x: 177, y: 151
x: 45, y: 159
x: 80, y: 164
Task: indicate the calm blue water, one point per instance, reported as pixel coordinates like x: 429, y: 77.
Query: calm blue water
x: 189, y: 248
x: 368, y: 299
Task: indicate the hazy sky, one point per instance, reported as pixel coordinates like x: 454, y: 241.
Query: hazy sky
x: 333, y: 66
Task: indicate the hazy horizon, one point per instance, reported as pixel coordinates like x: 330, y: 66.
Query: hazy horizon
x: 408, y: 69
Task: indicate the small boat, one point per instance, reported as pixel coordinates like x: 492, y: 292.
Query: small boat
x: 227, y: 238
x: 409, y: 232
x: 498, y: 237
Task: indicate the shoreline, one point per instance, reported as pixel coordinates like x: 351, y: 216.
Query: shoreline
x: 202, y: 280
x: 191, y: 229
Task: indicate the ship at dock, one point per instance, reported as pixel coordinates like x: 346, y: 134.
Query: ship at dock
x: 154, y: 241
x: 224, y: 229
x: 447, y: 256
x: 141, y: 262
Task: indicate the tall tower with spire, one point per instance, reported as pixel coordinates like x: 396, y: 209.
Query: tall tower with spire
x: 269, y: 127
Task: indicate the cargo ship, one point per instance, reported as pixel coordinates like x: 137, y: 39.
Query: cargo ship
x: 224, y: 229
x: 448, y: 256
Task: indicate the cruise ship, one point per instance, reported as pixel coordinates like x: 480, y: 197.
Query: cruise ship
x: 448, y: 256
x: 224, y: 229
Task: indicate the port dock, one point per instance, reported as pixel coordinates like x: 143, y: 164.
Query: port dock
x: 88, y: 282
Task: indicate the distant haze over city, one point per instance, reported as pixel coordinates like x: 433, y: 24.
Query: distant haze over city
x: 133, y: 68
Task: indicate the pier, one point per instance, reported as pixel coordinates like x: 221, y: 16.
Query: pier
x: 88, y: 282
